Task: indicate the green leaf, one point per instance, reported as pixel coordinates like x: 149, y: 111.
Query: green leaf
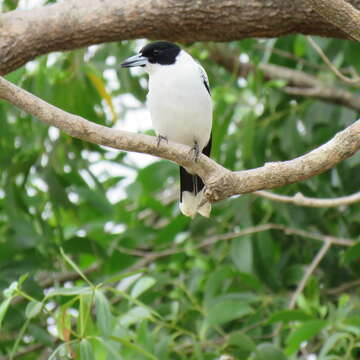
x: 242, y: 254
x: 110, y: 348
x: 240, y: 344
x: 268, y: 351
x: 352, y: 253
x: 135, y: 315
x: 305, y: 332
x: 33, y: 308
x: 330, y: 343
x: 226, y: 311
x: 3, y: 308
x: 74, y: 266
x: 289, y: 315
x: 41, y: 335
x: 141, y: 286
x: 300, y: 45
x: 61, y: 350
x: 103, y: 314
x: 75, y: 290
x: 11, y: 290
x: 84, y: 318
x: 86, y: 350
x: 134, y: 347
x: 216, y: 282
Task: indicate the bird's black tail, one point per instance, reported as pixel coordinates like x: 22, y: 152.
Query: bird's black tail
x: 190, y: 186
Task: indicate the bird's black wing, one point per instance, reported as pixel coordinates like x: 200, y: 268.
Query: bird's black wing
x: 191, y: 182
x: 204, y: 79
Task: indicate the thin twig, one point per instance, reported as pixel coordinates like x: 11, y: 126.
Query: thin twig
x: 27, y: 350
x: 299, y: 83
x: 152, y: 256
x: 331, y: 66
x: 309, y: 271
x: 343, y: 287
x: 301, y: 200
x: 47, y: 280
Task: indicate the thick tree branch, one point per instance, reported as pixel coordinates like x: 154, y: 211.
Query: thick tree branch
x: 220, y: 182
x: 71, y: 24
x: 339, y: 13
x: 299, y: 83
x: 301, y: 200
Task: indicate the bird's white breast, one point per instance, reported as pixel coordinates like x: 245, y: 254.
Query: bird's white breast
x: 179, y: 104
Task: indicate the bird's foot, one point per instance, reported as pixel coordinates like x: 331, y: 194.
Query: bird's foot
x: 195, y: 150
x: 159, y: 138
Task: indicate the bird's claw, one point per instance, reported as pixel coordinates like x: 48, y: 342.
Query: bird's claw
x: 159, y: 138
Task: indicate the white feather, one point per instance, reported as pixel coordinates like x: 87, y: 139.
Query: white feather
x: 181, y: 110
x: 179, y: 104
x: 189, y: 205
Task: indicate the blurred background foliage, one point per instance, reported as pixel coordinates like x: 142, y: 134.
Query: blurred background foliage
x: 96, y: 261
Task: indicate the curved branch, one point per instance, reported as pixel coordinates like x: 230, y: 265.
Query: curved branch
x: 339, y: 13
x: 73, y: 24
x: 301, y: 200
x: 220, y: 182
x: 351, y: 81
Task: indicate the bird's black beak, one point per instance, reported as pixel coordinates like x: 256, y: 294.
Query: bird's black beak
x: 136, y: 60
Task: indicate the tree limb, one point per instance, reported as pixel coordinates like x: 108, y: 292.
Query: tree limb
x: 339, y: 13
x: 74, y: 24
x: 220, y: 182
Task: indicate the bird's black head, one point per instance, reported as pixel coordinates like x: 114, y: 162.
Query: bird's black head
x: 159, y: 52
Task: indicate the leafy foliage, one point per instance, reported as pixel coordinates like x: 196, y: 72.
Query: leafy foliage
x: 96, y: 262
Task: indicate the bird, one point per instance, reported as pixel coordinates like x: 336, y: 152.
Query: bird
x: 180, y: 105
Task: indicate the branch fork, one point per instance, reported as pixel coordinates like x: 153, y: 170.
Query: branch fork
x: 220, y: 182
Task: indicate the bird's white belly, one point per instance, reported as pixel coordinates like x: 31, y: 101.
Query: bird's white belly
x: 182, y: 112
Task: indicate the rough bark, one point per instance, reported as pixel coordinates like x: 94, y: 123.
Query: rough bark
x: 71, y: 24
x: 340, y: 13
x: 220, y: 182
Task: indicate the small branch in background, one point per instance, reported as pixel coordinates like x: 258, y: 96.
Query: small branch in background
x: 47, y: 279
x: 332, y: 67
x: 343, y: 287
x: 301, y: 200
x: 299, y: 83
x: 291, y: 56
x: 149, y: 257
x: 309, y: 271
x: 339, y: 13
x: 25, y: 351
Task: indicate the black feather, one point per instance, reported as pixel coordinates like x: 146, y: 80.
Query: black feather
x: 190, y: 182
x: 207, y: 86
